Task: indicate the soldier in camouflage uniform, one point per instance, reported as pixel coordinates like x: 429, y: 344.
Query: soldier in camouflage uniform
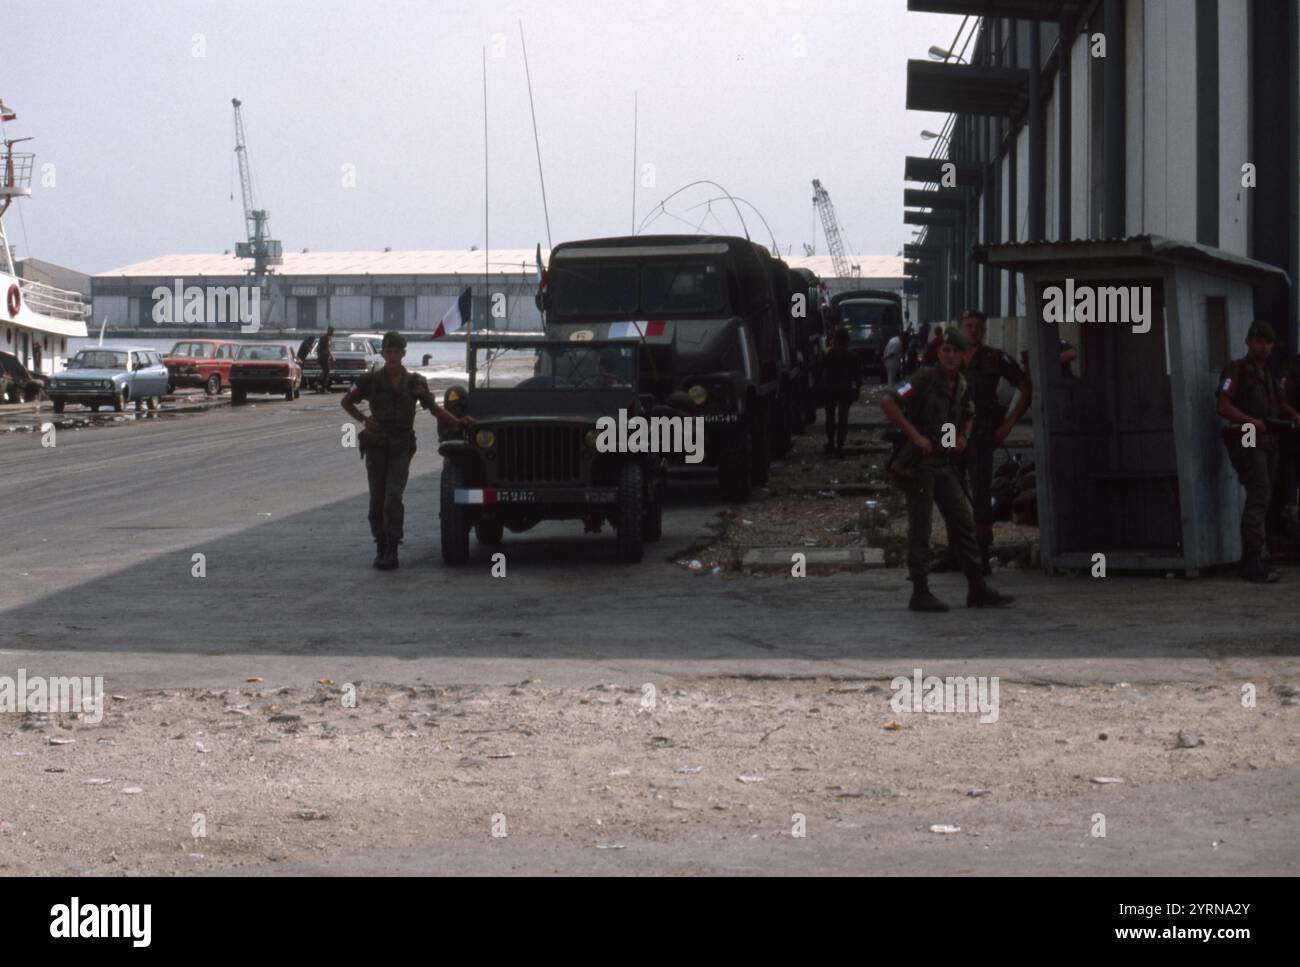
x: 388, y: 440
x: 1248, y: 395
x: 934, y: 408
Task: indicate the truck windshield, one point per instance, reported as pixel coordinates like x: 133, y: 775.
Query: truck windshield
x: 564, y: 366
x: 869, y: 314
x: 621, y: 290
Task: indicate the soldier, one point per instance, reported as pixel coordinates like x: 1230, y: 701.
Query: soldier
x: 985, y: 368
x: 1287, y: 509
x: 938, y: 406
x: 325, y: 356
x: 388, y: 440
x: 842, y: 382
x: 1247, y: 394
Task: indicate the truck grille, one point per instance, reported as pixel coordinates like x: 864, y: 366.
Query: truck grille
x: 539, y: 454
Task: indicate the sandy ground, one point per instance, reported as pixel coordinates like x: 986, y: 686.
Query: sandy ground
x: 184, y: 781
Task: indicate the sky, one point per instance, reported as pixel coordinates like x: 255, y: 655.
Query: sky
x: 365, y: 121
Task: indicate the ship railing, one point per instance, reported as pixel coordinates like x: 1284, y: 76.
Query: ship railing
x: 59, y: 303
x: 16, y: 169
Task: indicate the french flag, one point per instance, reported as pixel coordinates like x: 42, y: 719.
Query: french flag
x: 636, y: 330
x: 456, y: 316
x: 6, y: 112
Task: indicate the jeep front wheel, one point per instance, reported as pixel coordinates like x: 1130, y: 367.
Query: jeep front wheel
x: 630, y: 544
x: 454, y: 522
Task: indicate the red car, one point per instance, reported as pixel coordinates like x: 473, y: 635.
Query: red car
x: 264, y: 367
x: 200, y: 362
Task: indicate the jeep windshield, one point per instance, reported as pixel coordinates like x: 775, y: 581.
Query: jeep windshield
x: 566, y: 366
x: 98, y: 359
x: 626, y: 290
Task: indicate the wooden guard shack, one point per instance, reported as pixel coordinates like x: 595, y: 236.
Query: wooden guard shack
x: 1130, y: 461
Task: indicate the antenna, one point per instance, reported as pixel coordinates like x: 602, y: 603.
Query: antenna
x: 634, y: 120
x: 536, y: 144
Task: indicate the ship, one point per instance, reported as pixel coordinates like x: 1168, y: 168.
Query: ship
x: 37, y: 320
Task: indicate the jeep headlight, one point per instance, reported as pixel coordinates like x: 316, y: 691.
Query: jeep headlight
x: 698, y: 394
x: 485, y: 439
x: 105, y: 384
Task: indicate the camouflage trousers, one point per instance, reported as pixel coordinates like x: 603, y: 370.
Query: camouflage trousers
x: 1256, y: 468
x: 387, y: 470
x: 942, y: 486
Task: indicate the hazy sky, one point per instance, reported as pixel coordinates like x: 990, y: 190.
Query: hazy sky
x: 130, y: 102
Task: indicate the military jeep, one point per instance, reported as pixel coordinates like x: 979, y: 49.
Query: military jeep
x: 535, y: 451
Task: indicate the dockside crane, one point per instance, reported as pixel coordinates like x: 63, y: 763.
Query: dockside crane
x: 822, y: 201
x: 260, y: 247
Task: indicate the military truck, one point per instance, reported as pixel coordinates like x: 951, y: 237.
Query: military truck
x: 809, y: 337
x: 872, y: 317
x: 703, y: 310
x: 535, y: 451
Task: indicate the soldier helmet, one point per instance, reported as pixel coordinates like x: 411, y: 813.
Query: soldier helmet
x: 1262, y: 330
x: 394, y: 340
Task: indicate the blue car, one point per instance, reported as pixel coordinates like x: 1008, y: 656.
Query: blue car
x: 114, y: 377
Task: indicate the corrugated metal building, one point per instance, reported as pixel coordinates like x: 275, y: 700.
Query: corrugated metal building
x: 1050, y: 140
x: 378, y: 290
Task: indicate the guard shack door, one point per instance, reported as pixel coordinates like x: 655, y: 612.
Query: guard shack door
x: 1113, y: 460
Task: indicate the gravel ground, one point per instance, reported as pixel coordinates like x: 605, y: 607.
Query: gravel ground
x: 295, y: 774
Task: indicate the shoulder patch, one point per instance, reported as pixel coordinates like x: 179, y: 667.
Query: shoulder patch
x: 904, y: 390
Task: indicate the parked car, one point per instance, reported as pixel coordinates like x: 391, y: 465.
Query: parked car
x: 352, y: 357
x: 264, y: 367
x: 114, y: 377
x: 17, y: 384
x: 201, y: 362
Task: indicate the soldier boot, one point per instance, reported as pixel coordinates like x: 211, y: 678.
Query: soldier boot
x: 922, y: 599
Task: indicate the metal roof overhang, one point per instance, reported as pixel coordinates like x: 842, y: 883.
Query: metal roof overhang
x: 921, y: 251
x: 929, y: 218
x: 950, y: 199
x: 930, y: 170
x: 964, y: 89
x: 1018, y: 9
x: 1125, y: 251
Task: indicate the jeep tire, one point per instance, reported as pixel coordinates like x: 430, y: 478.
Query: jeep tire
x: 453, y: 520
x: 629, y: 541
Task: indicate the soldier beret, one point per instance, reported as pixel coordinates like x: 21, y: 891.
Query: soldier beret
x: 394, y: 340
x: 1262, y: 330
x: 952, y: 336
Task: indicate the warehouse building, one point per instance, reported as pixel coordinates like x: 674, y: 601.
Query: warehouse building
x: 408, y: 290
x: 1108, y: 119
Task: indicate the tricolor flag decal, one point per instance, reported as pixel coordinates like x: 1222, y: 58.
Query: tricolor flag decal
x: 456, y: 316
x: 636, y: 330
x: 476, y: 497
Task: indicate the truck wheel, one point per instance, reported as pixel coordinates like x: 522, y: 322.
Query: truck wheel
x: 489, y: 531
x: 59, y: 405
x: 652, y: 528
x: 238, y: 396
x: 454, y: 522
x: 213, y: 386
x: 760, y: 444
x: 94, y: 407
x: 629, y: 542
x: 780, y: 425
x: 121, y: 399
